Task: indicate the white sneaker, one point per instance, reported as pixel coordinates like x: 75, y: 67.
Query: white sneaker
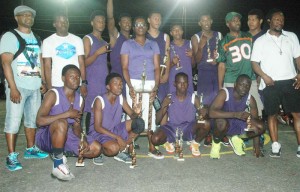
x: 194, y: 147
x: 62, y: 172
x: 276, y: 150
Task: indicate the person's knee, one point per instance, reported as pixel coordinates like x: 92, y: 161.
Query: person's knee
x: 221, y: 125
x: 137, y: 125
x: 60, y: 126
x: 155, y: 139
x: 111, y: 150
x: 95, y: 147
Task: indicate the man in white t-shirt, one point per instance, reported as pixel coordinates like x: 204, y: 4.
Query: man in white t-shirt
x: 60, y: 49
x: 273, y: 59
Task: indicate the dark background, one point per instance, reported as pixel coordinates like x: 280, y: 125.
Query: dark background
x: 172, y: 11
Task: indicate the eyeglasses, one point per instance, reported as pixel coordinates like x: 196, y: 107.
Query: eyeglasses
x: 140, y: 25
x: 25, y: 15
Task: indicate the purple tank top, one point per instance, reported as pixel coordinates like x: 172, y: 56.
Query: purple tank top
x: 181, y: 112
x: 115, y: 57
x: 232, y: 105
x: 63, y: 104
x: 160, y: 40
x: 185, y: 63
x: 111, y: 113
x: 97, y: 71
x: 204, y: 65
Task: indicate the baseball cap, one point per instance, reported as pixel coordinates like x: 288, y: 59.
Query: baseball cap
x: 231, y: 15
x: 24, y: 8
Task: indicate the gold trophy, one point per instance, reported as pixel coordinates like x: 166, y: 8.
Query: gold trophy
x: 200, y: 117
x: 209, y: 58
x: 180, y: 158
x: 175, y: 54
x: 249, y: 128
x: 80, y: 162
x: 177, y: 146
x: 163, y: 66
x: 133, y: 156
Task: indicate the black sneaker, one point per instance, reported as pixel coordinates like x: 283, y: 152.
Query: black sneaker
x: 207, y: 141
x: 225, y: 141
x: 298, y: 152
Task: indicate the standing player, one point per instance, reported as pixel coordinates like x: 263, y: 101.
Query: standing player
x: 255, y: 20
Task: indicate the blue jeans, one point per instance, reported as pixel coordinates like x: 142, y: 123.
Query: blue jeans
x: 29, y: 106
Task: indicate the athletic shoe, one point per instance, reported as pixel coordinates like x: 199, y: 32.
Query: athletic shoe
x: 207, y: 141
x: 276, y: 150
x: 98, y: 160
x: 156, y: 154
x: 169, y: 147
x: 237, y: 145
x: 298, y: 152
x: 34, y: 153
x: 123, y: 157
x: 215, y: 150
x: 281, y: 120
x: 194, y: 147
x: 225, y: 141
x: 62, y: 172
x: 12, y: 162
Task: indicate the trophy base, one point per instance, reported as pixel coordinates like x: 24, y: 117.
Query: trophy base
x: 132, y: 166
x: 79, y: 164
x: 180, y: 159
x: 142, y: 91
x: 177, y: 68
x: 209, y: 60
x: 201, y: 121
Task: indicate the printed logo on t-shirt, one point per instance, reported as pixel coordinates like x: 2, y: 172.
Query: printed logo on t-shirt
x: 28, y: 63
x: 65, y: 50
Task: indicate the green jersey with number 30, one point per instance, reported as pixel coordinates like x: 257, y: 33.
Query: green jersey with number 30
x: 235, y: 52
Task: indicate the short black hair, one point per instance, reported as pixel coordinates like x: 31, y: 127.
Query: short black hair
x: 59, y: 14
x: 203, y: 14
x: 69, y: 67
x: 259, y: 13
x: 181, y: 74
x: 272, y: 12
x: 243, y: 76
x: 96, y: 13
x: 174, y: 24
x: 110, y: 76
x: 124, y: 15
x: 153, y: 12
x: 139, y: 17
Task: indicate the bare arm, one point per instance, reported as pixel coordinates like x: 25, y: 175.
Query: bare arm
x: 43, y: 118
x: 89, y: 59
x: 156, y: 70
x: 297, y: 78
x: 125, y: 63
x: 163, y: 112
x: 43, y: 86
x: 7, y: 59
x: 267, y: 79
x: 111, y: 24
x: 221, y: 74
x: 48, y: 71
x: 129, y: 111
x: 165, y: 77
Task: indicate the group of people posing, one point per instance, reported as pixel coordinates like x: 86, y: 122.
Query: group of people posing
x: 149, y: 87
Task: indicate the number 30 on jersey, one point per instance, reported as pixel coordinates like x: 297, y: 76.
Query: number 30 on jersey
x: 240, y: 52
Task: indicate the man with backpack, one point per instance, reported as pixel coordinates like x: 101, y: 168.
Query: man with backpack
x: 22, y: 68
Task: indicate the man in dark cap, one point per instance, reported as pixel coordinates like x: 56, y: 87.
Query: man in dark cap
x: 23, y: 74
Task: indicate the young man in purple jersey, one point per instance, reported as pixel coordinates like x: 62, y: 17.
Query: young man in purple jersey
x: 106, y: 126
x: 58, y: 120
x: 179, y: 110
x: 234, y: 111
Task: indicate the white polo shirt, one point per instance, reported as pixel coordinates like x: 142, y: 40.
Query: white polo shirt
x: 266, y: 51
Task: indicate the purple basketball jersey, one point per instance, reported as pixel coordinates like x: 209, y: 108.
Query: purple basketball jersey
x: 115, y: 57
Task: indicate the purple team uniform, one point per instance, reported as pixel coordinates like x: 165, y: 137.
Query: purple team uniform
x: 115, y: 59
x: 208, y: 73
x: 139, y: 54
x: 182, y: 115
x: 111, y: 120
x: 43, y: 136
x: 163, y: 89
x: 96, y: 73
x: 185, y: 63
x: 236, y: 126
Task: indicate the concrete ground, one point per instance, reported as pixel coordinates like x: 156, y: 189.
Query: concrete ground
x: 229, y: 173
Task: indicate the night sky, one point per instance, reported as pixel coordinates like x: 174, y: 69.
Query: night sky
x: 172, y: 11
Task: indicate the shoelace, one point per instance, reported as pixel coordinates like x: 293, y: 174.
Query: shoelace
x: 14, y: 158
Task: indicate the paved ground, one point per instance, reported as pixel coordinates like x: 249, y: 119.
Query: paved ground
x: 230, y: 173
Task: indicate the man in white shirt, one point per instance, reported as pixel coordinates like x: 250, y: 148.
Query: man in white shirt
x: 273, y: 59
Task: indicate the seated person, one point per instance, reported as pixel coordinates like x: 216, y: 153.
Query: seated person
x: 58, y: 120
x: 106, y: 126
x: 231, y: 118
x: 178, y: 110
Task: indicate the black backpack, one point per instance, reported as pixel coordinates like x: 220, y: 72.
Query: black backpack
x: 22, y: 43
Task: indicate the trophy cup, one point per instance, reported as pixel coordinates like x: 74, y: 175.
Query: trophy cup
x: 133, y: 156
x: 209, y: 58
x: 177, y: 64
x: 177, y: 146
x: 80, y: 162
x: 200, y: 117
x: 163, y: 66
x: 143, y: 76
x: 180, y: 158
x: 249, y: 128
